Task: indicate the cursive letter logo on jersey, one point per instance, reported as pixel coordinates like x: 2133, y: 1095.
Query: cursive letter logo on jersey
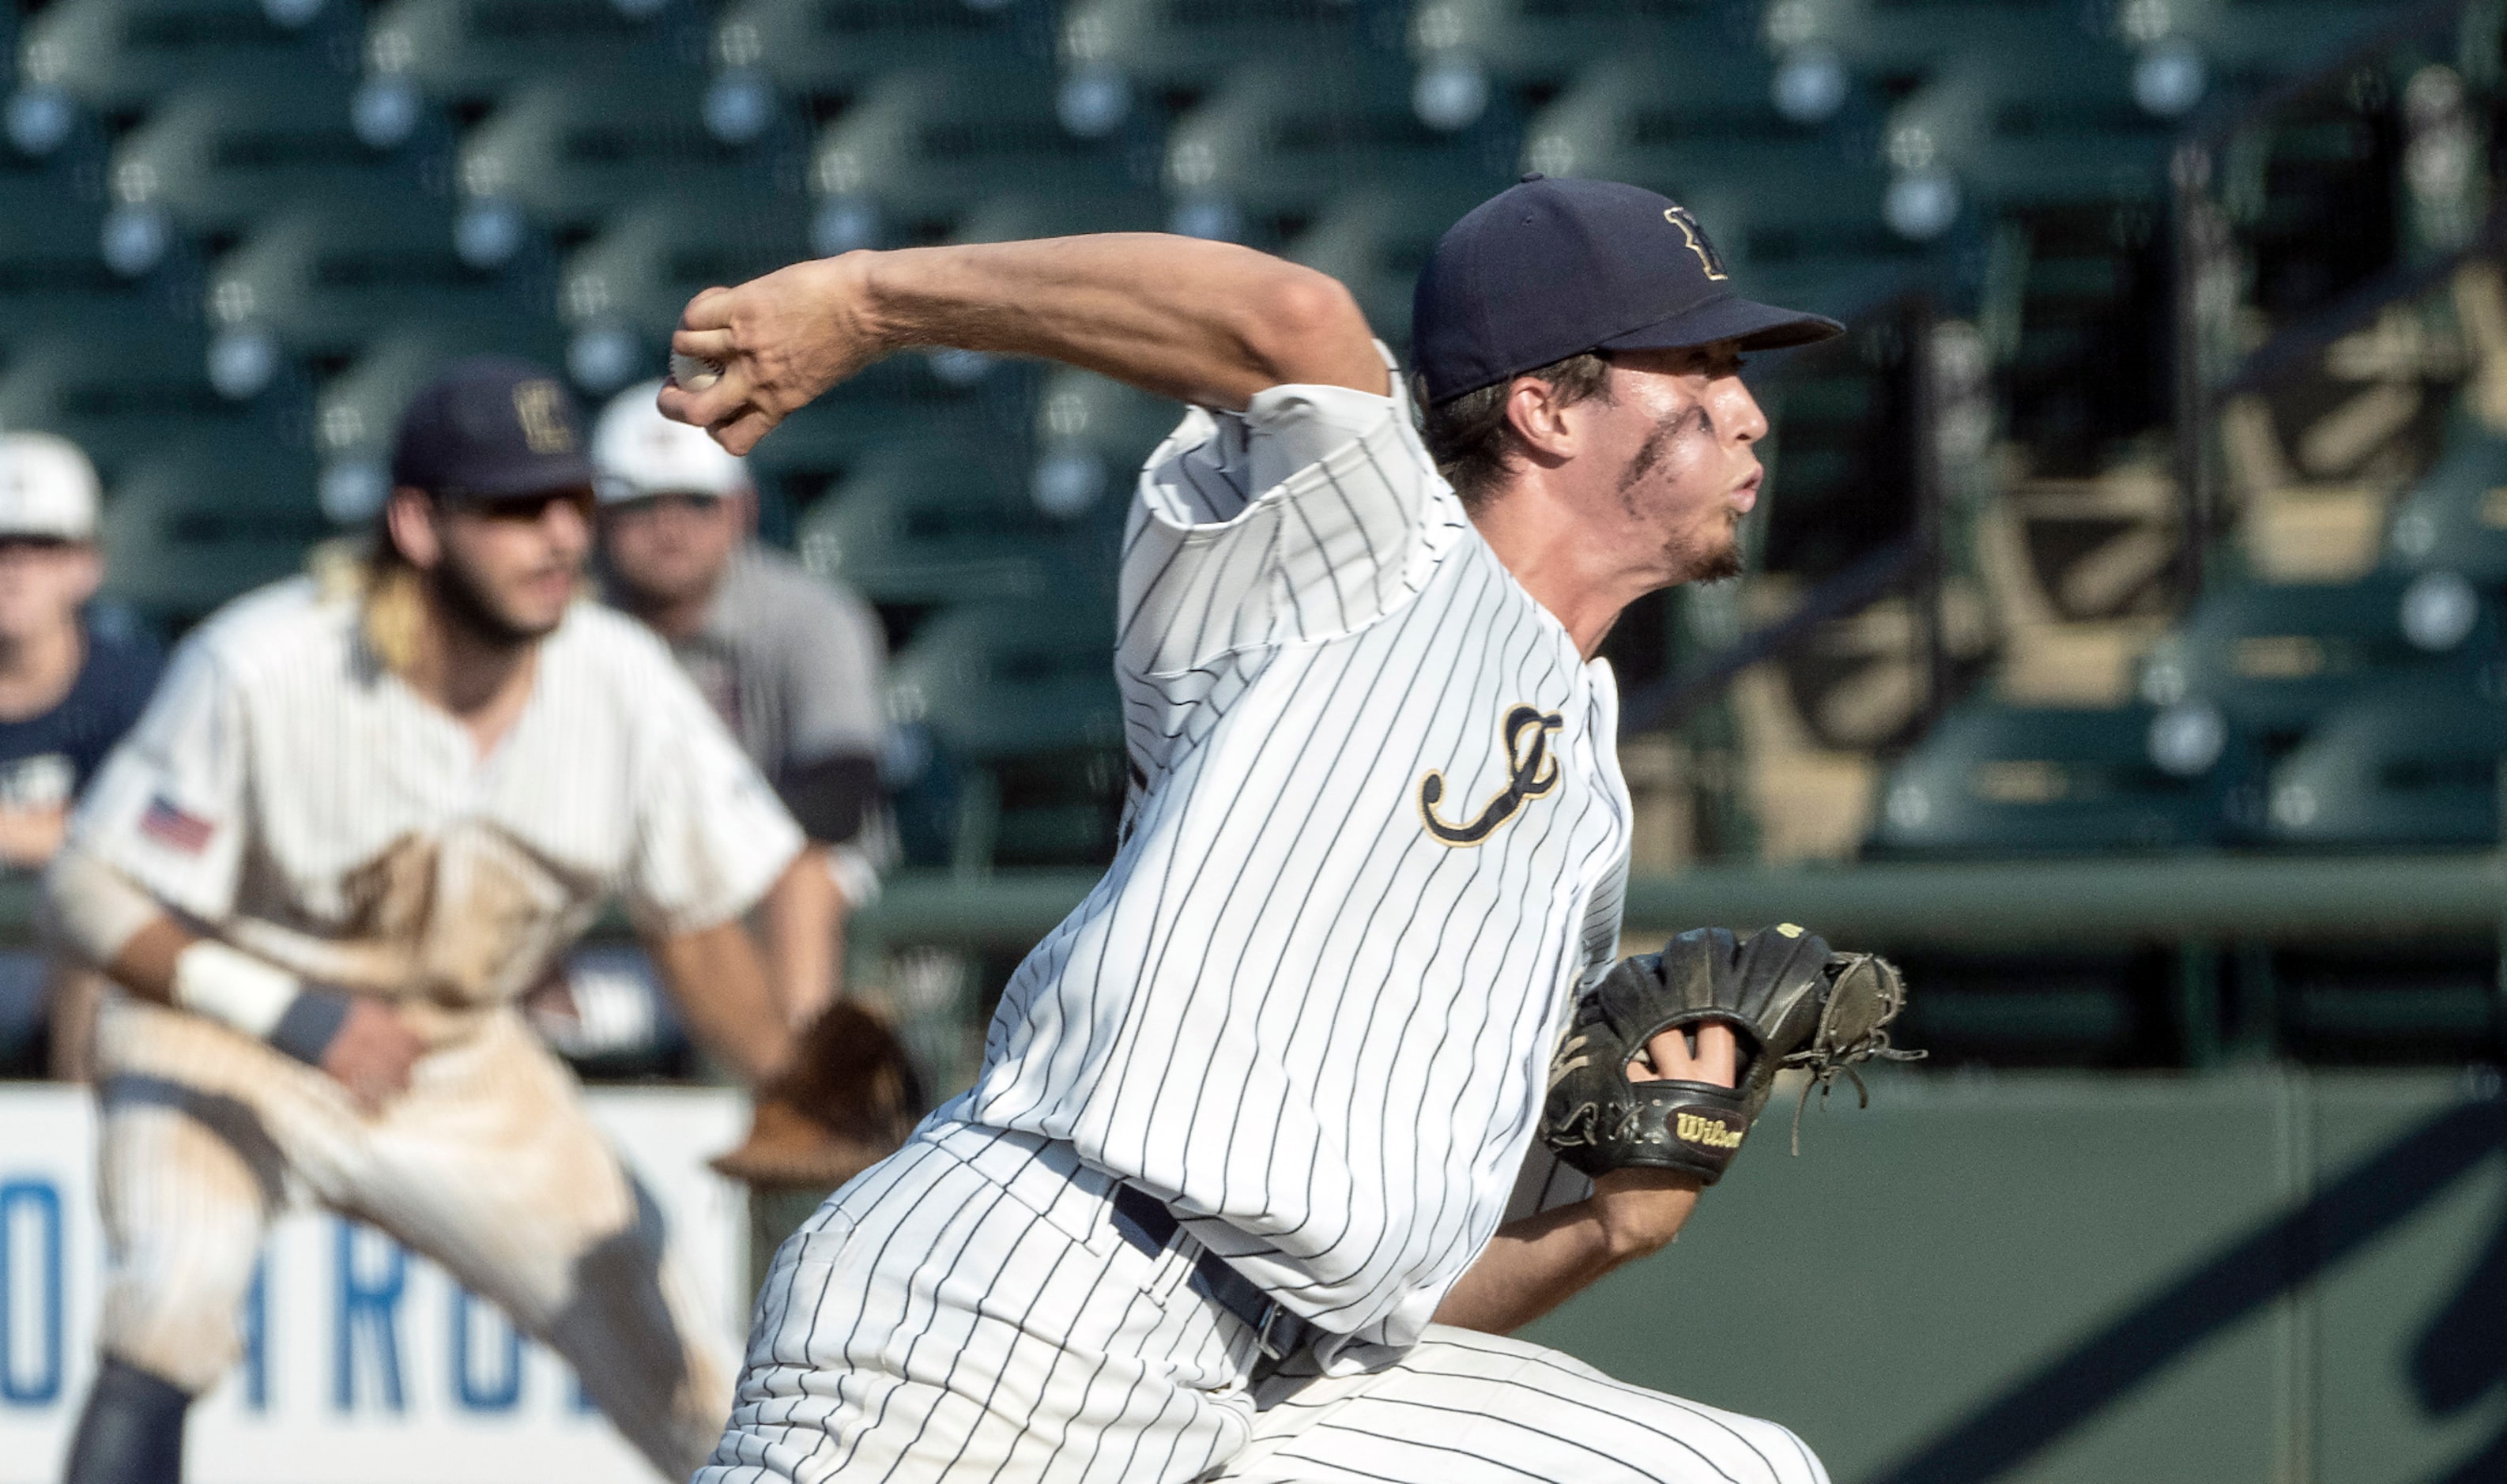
x: 1531, y: 772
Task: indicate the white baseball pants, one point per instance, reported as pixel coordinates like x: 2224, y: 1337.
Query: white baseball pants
x: 489, y: 1164
x: 968, y: 1311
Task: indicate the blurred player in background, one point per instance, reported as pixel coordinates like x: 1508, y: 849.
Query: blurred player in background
x: 72, y: 681
x: 790, y: 663
x: 363, y: 815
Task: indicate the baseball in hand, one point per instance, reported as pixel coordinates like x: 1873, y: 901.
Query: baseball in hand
x: 694, y: 372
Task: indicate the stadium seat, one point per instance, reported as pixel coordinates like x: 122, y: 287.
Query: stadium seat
x: 1542, y: 40
x: 1016, y: 214
x: 901, y: 400
x: 119, y: 55
x: 217, y: 154
x: 1375, y: 239
x: 2454, y: 518
x: 328, y: 275
x: 122, y: 393
x: 2043, y: 118
x: 570, y: 149
x: 1280, y: 139
x: 1005, y: 679
x: 919, y: 526
x: 188, y: 528
x: 1189, y: 42
x: 475, y: 50
x: 1091, y: 437
x: 654, y: 256
x: 818, y: 48
x: 2277, y: 658
x: 2411, y: 763
x: 927, y: 145
x: 52, y: 276
x: 1023, y: 695
x: 1999, y: 780
x: 1699, y: 128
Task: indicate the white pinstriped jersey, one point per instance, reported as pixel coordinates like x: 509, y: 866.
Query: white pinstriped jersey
x: 1377, y: 838
x: 299, y: 799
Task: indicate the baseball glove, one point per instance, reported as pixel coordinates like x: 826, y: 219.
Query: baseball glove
x: 1789, y: 1002
x: 846, y: 1103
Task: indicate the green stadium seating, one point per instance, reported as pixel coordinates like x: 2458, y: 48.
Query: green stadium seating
x: 52, y: 276
x: 124, y: 392
x: 919, y: 526
x: 480, y: 49
x: 838, y: 47
x: 329, y: 275
x: 2454, y: 518
x: 215, y: 154
x: 1191, y: 43
x: 929, y: 144
x: 1280, y: 139
x: 1699, y: 128
x: 1012, y: 214
x: 1082, y: 415
x: 897, y: 401
x: 1376, y: 238
x: 1998, y: 780
x: 1007, y: 679
x: 2039, y: 119
x: 2276, y: 659
x: 118, y: 55
x: 571, y: 150
x: 1545, y: 40
x: 2411, y: 763
x: 186, y: 529
x: 655, y: 255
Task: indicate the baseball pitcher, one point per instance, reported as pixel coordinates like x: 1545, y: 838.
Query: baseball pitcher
x: 1247, y: 1187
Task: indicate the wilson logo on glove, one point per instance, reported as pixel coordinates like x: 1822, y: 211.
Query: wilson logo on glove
x: 1790, y: 1004
x: 1713, y: 1132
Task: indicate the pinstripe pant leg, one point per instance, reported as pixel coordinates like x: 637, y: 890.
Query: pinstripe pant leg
x: 1467, y: 1408
x: 933, y: 1324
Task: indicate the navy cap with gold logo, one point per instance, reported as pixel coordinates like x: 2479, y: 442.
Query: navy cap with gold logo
x: 1547, y: 268
x: 491, y: 427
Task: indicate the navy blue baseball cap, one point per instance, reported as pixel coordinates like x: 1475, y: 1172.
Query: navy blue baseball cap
x: 1548, y: 269
x: 492, y: 427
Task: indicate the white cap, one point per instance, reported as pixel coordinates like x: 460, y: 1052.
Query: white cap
x: 637, y: 454
x: 47, y: 488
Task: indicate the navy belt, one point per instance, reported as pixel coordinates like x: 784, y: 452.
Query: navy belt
x: 1145, y: 1221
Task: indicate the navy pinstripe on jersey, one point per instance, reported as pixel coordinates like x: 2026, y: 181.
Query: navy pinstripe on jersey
x: 1295, y: 1008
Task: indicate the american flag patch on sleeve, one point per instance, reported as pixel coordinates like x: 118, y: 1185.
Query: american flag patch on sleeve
x: 171, y: 827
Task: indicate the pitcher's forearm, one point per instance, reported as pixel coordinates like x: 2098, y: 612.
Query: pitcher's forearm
x: 1532, y: 1266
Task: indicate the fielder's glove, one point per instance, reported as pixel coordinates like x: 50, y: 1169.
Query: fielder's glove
x: 1789, y: 1002
x: 846, y: 1102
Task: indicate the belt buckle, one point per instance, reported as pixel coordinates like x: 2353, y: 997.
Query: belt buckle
x: 1278, y: 1333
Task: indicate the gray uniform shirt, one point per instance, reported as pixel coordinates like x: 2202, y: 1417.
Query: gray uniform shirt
x: 790, y: 662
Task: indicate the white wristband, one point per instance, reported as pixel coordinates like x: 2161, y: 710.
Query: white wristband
x: 227, y: 985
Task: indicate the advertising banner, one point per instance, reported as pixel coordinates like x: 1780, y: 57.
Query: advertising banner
x: 363, y: 1364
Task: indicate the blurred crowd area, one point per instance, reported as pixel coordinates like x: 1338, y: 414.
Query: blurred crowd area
x: 2158, y: 501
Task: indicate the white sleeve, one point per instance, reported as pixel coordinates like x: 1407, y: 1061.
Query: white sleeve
x: 169, y: 808
x: 710, y: 836
x: 1303, y: 517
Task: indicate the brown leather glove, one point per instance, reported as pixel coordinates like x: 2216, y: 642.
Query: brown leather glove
x: 846, y: 1103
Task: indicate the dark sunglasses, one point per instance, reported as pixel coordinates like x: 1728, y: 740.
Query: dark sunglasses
x: 525, y: 508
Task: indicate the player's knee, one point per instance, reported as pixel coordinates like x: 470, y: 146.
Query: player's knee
x: 188, y: 1343
x: 131, y: 1430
